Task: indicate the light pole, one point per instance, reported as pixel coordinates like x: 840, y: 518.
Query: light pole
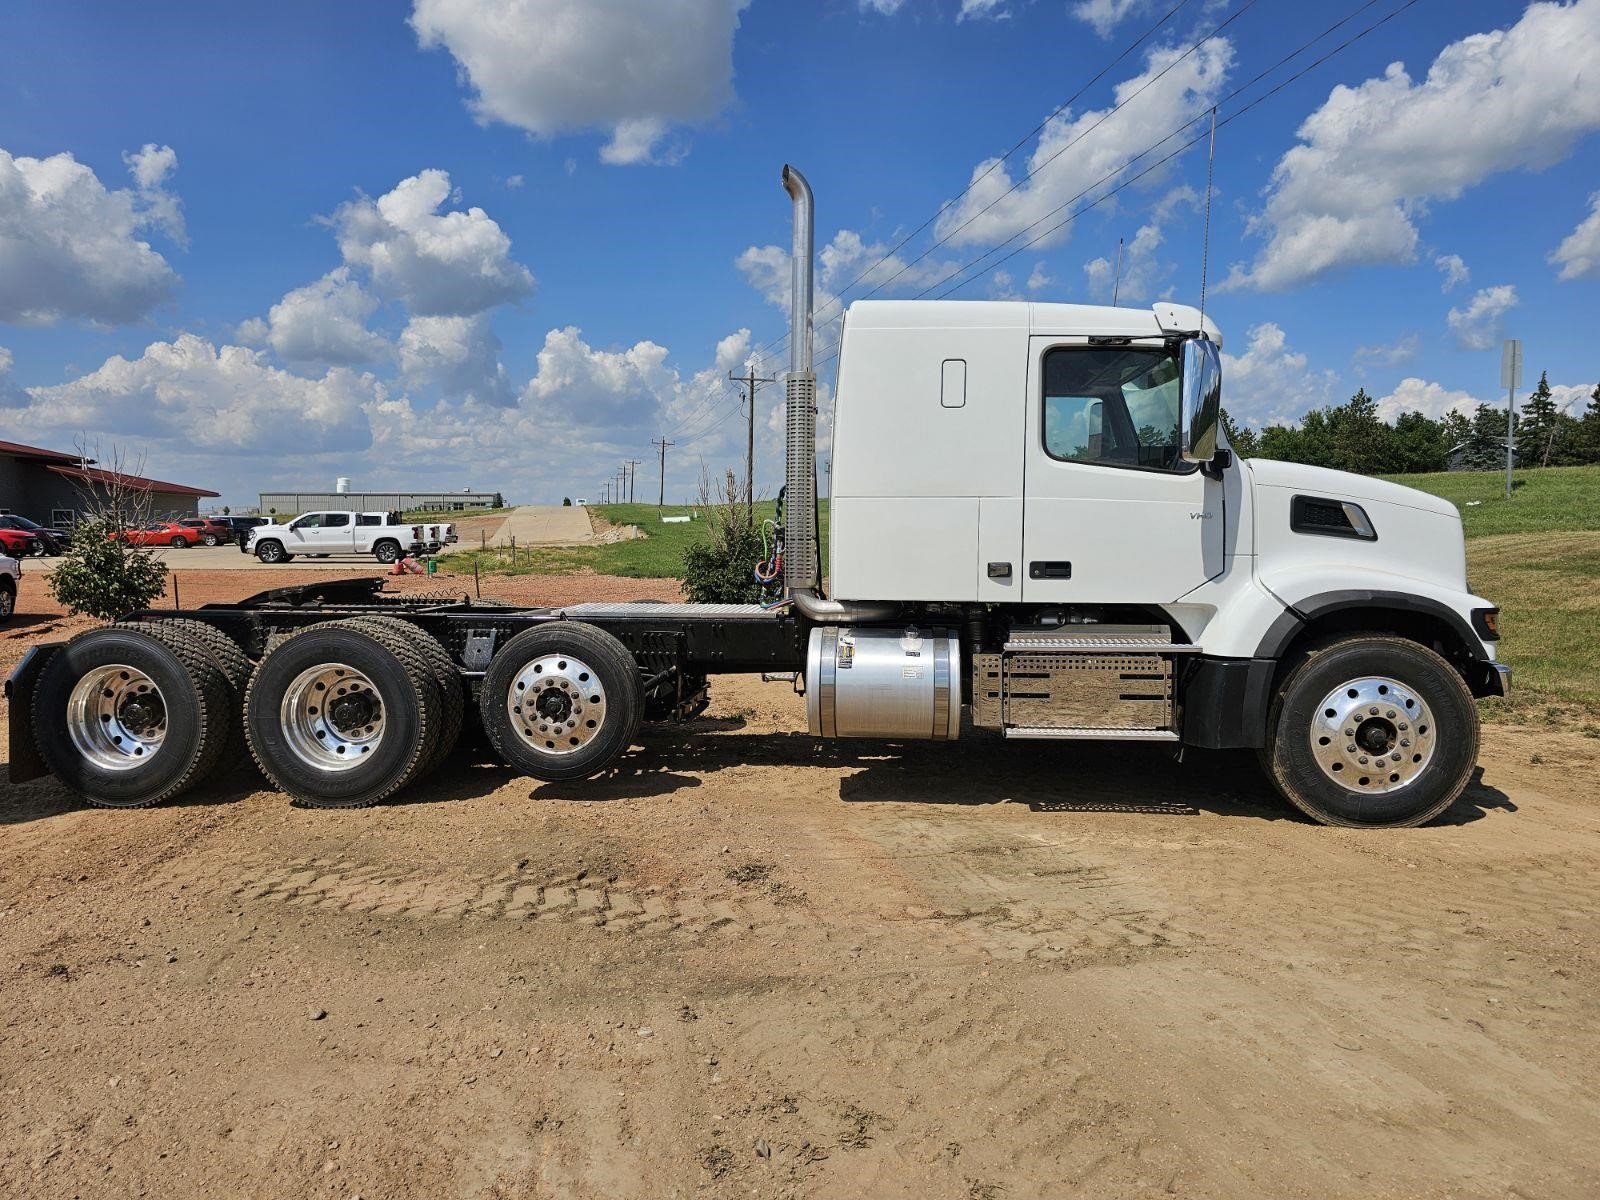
x: 1511, y: 380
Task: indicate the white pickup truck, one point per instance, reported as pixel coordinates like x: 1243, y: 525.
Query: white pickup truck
x: 381, y: 534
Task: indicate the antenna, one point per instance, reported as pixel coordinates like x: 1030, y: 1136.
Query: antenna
x: 1205, y: 248
x: 1116, y: 285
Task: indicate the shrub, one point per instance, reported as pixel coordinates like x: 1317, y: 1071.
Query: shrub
x: 103, y: 577
x: 720, y: 569
x: 566, y: 502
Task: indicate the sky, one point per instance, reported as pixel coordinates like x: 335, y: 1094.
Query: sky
x: 508, y: 244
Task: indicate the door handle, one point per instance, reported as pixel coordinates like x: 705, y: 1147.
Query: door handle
x: 1054, y: 569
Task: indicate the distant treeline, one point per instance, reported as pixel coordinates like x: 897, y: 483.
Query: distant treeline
x: 1352, y: 437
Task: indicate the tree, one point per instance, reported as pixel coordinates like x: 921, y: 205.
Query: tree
x: 566, y: 502
x: 101, y: 574
x: 1418, y: 443
x: 1242, y: 438
x: 1587, y: 437
x: 1536, y: 425
x: 1486, y: 444
x: 226, y: 511
x: 721, y: 569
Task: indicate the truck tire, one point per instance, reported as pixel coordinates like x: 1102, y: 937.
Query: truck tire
x: 128, y: 720
x: 372, y: 739
x: 271, y: 551
x: 8, y: 599
x: 180, y: 633
x: 561, y: 701
x: 1371, y: 732
x: 452, y: 696
x: 386, y: 551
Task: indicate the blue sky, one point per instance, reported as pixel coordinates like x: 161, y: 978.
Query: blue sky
x: 232, y: 276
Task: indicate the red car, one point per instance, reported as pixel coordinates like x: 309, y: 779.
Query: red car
x: 20, y: 543
x: 157, y: 533
x: 208, y: 531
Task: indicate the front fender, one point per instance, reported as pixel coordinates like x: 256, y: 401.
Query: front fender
x: 1310, y: 593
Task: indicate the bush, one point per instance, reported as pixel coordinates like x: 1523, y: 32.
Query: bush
x: 106, y: 578
x: 566, y: 502
x: 721, y: 569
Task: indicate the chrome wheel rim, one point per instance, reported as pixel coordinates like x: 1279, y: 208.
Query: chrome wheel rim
x: 1373, y: 734
x: 8, y: 602
x: 556, y: 704
x: 332, y: 717
x: 117, y: 717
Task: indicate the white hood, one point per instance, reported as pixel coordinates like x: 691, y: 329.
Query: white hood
x: 1343, y: 485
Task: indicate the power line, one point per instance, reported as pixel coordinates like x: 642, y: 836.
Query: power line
x: 752, y: 381
x: 1175, y: 153
x: 773, y: 343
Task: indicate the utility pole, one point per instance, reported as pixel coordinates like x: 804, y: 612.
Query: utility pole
x: 663, y: 444
x: 1511, y: 380
x: 751, y: 382
x: 633, y: 471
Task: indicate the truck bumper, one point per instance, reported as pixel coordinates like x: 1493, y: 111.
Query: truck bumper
x: 1500, y: 679
x: 26, y: 762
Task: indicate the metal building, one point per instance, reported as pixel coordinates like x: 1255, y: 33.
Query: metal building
x: 285, y: 504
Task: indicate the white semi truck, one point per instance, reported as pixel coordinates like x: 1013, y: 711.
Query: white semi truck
x: 1038, y: 532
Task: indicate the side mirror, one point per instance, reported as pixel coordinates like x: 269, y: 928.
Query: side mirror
x: 1201, y: 406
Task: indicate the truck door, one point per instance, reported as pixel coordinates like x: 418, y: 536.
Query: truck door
x: 1111, y: 512
x: 302, y: 536
x: 338, y: 534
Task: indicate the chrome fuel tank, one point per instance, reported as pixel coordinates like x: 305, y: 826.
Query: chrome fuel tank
x: 879, y: 682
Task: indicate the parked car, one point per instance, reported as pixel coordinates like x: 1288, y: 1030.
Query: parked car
x: 10, y: 578
x: 242, y: 526
x: 157, y: 533
x: 49, y: 541
x: 209, y: 531
x: 318, y: 534
x: 21, y: 543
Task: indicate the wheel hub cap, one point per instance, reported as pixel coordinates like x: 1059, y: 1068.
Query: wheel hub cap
x: 332, y: 717
x: 117, y: 717
x: 556, y: 704
x: 1372, y: 735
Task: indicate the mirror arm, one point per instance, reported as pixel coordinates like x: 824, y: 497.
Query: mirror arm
x: 1220, y: 462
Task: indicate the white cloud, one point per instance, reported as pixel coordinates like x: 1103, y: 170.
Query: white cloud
x: 1270, y: 381
x: 1106, y: 15
x: 1394, y: 354
x: 884, y: 8
x: 1143, y: 273
x: 440, y: 263
x: 456, y: 357
x: 192, y: 393
x: 1372, y: 155
x: 515, y: 181
x: 1579, y: 252
x: 1430, y: 399
x: 990, y: 212
x: 323, y: 322
x: 1454, y: 269
x: 1478, y: 325
x: 561, y: 66
x: 1039, y: 278
x: 640, y: 141
x: 1572, y: 398
x: 71, y: 248
x: 977, y: 10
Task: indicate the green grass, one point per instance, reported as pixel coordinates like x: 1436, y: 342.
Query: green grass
x: 1543, y: 499
x: 657, y: 555
x: 451, y: 514
x: 1537, y: 555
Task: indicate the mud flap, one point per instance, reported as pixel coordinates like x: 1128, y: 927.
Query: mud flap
x: 26, y: 762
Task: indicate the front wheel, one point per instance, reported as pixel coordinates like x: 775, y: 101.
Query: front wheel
x: 271, y: 552
x: 209, y: 539
x: 1372, y: 732
x: 8, y: 599
x: 38, y: 549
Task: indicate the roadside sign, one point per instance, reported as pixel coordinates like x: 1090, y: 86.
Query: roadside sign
x: 1511, y: 364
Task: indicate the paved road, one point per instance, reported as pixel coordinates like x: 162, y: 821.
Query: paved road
x: 548, y: 525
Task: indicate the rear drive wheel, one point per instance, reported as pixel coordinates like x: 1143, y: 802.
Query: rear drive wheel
x: 180, y: 543
x: 1372, y: 732
x: 182, y: 634
x: 387, y: 551
x: 452, y: 696
x: 561, y: 701
x: 272, y: 552
x: 128, y: 720
x: 339, y: 716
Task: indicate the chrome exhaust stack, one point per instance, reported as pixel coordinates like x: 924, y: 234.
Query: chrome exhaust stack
x: 800, y: 565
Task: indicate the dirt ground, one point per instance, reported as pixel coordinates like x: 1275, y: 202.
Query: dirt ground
x: 751, y: 964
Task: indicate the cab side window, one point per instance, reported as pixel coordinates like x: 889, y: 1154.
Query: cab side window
x: 1113, y: 406
x: 309, y: 521
x: 335, y: 520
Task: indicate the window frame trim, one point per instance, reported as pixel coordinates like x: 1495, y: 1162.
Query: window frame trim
x: 1183, y: 468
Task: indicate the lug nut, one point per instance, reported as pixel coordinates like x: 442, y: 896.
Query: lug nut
x: 1405, y: 741
x: 1390, y: 714
x: 1373, y: 710
x: 1351, y: 748
x: 1362, y: 760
